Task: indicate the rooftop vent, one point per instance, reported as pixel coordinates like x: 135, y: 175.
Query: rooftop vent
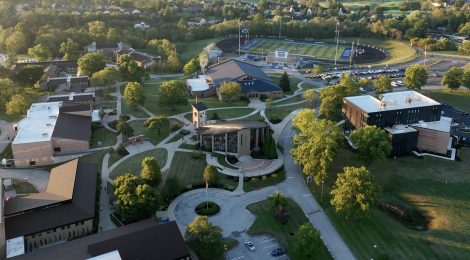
x: 44, y: 134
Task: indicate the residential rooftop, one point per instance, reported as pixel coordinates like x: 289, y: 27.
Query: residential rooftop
x: 392, y: 101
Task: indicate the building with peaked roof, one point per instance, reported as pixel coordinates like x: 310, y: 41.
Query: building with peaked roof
x: 413, y: 120
x: 83, y: 98
x: 199, y: 114
x: 252, y: 79
x: 50, y: 129
x: 63, y: 212
x: 144, y: 240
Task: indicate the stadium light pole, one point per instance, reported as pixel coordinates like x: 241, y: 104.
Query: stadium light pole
x: 280, y: 25
x: 239, y: 39
x: 337, y: 40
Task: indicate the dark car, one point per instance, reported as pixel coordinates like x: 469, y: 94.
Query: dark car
x: 278, y: 252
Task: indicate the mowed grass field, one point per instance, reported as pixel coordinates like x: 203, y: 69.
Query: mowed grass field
x: 436, y: 187
x: 458, y: 98
x: 134, y: 163
x: 308, y: 49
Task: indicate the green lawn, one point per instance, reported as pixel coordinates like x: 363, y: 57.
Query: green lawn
x: 151, y: 89
x: 459, y: 99
x: 103, y: 135
x: 292, y: 82
x: 267, y: 224
x: 113, y: 157
x: 134, y: 112
x: 222, y: 161
x: 256, y: 117
x: 152, y: 134
x: 282, y: 112
x: 437, y: 187
x: 190, y: 49
x: 293, y: 99
x: 133, y: 164
x: 189, y: 172
x: 265, y: 181
x: 320, y: 51
x: 23, y: 187
x: 7, y: 153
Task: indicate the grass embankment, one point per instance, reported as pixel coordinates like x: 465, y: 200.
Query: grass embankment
x: 133, y: 164
x: 436, y: 187
x: 103, y: 135
x: 256, y: 183
x: 267, y: 224
x: 282, y: 112
x: 152, y: 134
x: 457, y: 98
x: 23, y: 187
x: 190, y: 49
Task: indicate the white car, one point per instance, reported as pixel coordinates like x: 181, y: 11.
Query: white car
x: 400, y: 83
x: 250, y: 245
x: 394, y: 84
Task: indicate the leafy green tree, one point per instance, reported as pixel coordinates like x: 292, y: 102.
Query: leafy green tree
x: 150, y: 172
x: 134, y: 95
x: 317, y: 69
x: 205, y: 239
x: 332, y: 96
x: 172, y: 93
x: 258, y: 18
x: 466, y: 77
x: 307, y: 241
x: 229, y: 91
x: 284, y: 82
x: 157, y: 122
x: 40, y: 52
x: 311, y: 97
x: 191, y: 67
x: 129, y: 69
x: 464, y: 48
x: 91, y: 63
x: 354, y: 193
x: 211, y: 174
x: 124, y: 128
x: 465, y: 28
x: 269, y: 103
x: 18, y: 105
x: 372, y: 143
x: 269, y: 146
x: 382, y: 84
x: 171, y: 189
x: 70, y: 49
x: 16, y: 43
x: 452, y: 78
x: 135, y: 200
x: 315, y: 145
x: 277, y: 199
x: 29, y: 75
x: 415, y: 77
x: 105, y: 77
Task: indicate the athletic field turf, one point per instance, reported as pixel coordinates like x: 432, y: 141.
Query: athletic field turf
x: 317, y: 50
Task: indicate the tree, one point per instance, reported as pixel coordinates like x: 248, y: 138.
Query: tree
x: 466, y: 77
x: 150, y: 172
x: 464, y: 48
x: 16, y: 43
x: 157, y: 122
x: 129, y: 69
x: 91, y: 63
x: 307, y: 241
x: 172, y: 93
x: 258, y: 18
x: 332, y: 96
x: 415, y: 77
x: 284, y: 82
x: 135, y: 200
x: 70, y: 49
x: 277, y: 199
x: 124, y: 128
x: 317, y: 69
x: 40, y: 52
x: 269, y: 103
x: 229, y: 91
x: 372, y: 143
x: 105, y: 77
x: 354, y: 193
x: 269, y: 146
x: 171, y: 189
x: 29, y: 75
x: 315, y: 145
x: 191, y: 67
x: 205, y: 239
x: 452, y: 78
x: 18, y: 105
x: 211, y: 174
x: 311, y: 97
x: 382, y: 84
x: 134, y: 94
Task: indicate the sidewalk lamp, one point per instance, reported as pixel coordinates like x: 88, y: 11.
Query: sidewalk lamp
x: 321, y: 196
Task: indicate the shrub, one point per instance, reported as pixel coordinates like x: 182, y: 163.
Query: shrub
x: 410, y: 217
x: 113, y: 124
x: 121, y: 150
x: 274, y: 119
x: 282, y: 214
x: 215, y: 116
x: 207, y: 208
x: 197, y: 155
x: 265, y: 177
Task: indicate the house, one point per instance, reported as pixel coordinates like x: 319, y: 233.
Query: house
x: 106, y: 48
x: 413, y: 121
x: 197, y: 22
x: 69, y: 83
x: 51, y: 68
x: 238, y: 138
x: 142, y: 59
x: 50, y: 129
x: 144, y: 240
x: 141, y: 25
x: 252, y: 79
x: 64, y: 211
x: 199, y: 114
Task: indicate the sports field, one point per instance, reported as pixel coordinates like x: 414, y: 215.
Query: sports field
x: 318, y: 50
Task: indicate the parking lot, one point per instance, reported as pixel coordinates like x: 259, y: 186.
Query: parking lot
x: 264, y: 245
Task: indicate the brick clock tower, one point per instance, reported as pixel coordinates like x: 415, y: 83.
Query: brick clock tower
x: 199, y: 114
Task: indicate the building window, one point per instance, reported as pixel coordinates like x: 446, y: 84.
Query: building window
x: 232, y: 142
x: 219, y: 143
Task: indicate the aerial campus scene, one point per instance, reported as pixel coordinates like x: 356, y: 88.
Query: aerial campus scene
x: 252, y: 129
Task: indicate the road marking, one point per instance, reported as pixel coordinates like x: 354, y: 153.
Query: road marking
x: 238, y: 258
x: 270, y: 246
x: 306, y: 195
x: 266, y: 241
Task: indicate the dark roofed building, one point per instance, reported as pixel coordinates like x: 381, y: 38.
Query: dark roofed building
x: 142, y: 240
x: 200, y: 106
x: 51, y: 68
x: 73, y: 127
x: 252, y: 79
x: 70, y: 214
x: 82, y: 98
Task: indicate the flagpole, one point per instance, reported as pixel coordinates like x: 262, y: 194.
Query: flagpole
x: 207, y: 196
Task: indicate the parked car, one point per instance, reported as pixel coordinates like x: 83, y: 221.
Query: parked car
x: 278, y: 252
x: 250, y: 245
x: 394, y: 84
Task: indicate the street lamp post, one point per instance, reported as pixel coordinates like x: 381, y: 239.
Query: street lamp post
x: 321, y: 196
